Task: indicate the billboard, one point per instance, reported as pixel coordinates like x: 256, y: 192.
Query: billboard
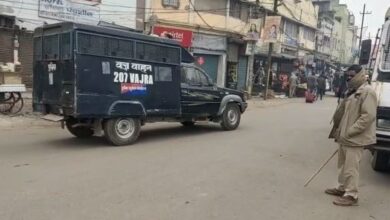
x: 183, y: 36
x: 253, y: 33
x: 271, y: 29
x: 66, y: 10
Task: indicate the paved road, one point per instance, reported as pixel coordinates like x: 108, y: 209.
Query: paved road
x: 255, y: 172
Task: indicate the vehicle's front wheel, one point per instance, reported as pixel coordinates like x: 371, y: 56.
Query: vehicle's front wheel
x: 78, y: 131
x: 380, y: 160
x: 122, y: 131
x: 231, y: 117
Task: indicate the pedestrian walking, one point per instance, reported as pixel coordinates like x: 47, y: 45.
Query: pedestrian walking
x: 321, y: 82
x: 293, y: 81
x: 342, y: 87
x: 312, y: 83
x: 353, y: 129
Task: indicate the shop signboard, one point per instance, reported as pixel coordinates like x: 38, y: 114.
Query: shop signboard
x: 209, y: 42
x: 183, y: 36
x: 66, y: 10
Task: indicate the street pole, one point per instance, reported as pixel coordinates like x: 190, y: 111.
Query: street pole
x: 251, y: 60
x: 375, y: 46
x: 270, y: 49
x: 250, y: 68
x: 361, y: 27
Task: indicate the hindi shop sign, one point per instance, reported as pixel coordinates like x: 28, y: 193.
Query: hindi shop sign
x: 66, y: 10
x: 183, y: 36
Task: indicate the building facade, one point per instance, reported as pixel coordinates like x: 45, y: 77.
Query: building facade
x: 213, y: 31
x: 297, y: 38
x: 19, y: 18
x: 337, y: 36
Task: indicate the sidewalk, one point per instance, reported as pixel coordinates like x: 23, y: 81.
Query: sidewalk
x: 259, y: 102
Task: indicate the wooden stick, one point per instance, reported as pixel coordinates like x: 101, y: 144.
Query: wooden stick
x: 319, y: 170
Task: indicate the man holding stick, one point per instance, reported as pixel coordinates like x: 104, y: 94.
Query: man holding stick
x: 354, y: 128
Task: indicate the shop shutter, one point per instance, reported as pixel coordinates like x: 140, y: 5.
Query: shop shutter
x: 6, y: 46
x: 242, y: 72
x: 26, y: 57
x: 208, y: 63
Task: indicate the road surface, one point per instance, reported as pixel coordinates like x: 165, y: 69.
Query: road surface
x: 175, y: 173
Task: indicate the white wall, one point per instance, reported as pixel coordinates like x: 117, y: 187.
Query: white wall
x: 118, y: 11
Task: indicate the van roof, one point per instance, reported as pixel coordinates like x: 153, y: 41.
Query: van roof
x: 68, y: 26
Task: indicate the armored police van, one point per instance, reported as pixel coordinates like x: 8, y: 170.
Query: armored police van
x: 96, y: 79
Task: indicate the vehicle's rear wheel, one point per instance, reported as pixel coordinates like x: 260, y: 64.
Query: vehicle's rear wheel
x: 188, y: 123
x: 122, y: 131
x: 78, y: 131
x: 231, y: 117
x: 380, y: 160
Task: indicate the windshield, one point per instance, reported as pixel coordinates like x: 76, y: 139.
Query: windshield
x: 383, y: 76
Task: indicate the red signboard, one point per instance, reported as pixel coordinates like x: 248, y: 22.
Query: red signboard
x: 183, y: 36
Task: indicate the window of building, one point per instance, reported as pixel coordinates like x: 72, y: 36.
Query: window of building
x: 170, y: 3
x: 211, y: 6
x: 291, y: 29
x: 51, y: 47
x: 163, y: 74
x: 239, y: 10
x: 66, y: 51
x: 235, y: 9
x: 309, y: 34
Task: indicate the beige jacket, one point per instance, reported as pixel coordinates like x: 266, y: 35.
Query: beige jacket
x: 358, y: 124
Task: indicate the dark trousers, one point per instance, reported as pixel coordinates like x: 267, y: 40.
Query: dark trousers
x: 320, y: 93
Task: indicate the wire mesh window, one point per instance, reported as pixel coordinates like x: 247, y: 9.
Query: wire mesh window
x: 91, y: 44
x: 163, y: 74
x: 120, y: 48
x: 157, y: 53
x: 66, y: 51
x: 104, y: 46
x: 38, y: 48
x: 51, y: 47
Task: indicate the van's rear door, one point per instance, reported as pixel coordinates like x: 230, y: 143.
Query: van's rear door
x: 53, y: 71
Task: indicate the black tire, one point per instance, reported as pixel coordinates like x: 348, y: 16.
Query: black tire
x: 122, y: 131
x: 231, y: 117
x: 188, y: 123
x: 79, y: 131
x: 380, y: 160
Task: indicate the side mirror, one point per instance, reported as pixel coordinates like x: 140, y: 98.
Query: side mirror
x: 365, y: 52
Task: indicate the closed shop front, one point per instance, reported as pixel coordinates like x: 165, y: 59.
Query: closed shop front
x: 26, y: 57
x: 208, y: 63
x: 242, y: 72
x: 6, y: 45
x: 210, y: 55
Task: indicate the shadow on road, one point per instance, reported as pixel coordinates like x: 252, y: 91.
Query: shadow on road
x: 161, y: 134
x: 148, y: 135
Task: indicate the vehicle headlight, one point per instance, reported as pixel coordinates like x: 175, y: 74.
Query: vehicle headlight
x: 383, y: 123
